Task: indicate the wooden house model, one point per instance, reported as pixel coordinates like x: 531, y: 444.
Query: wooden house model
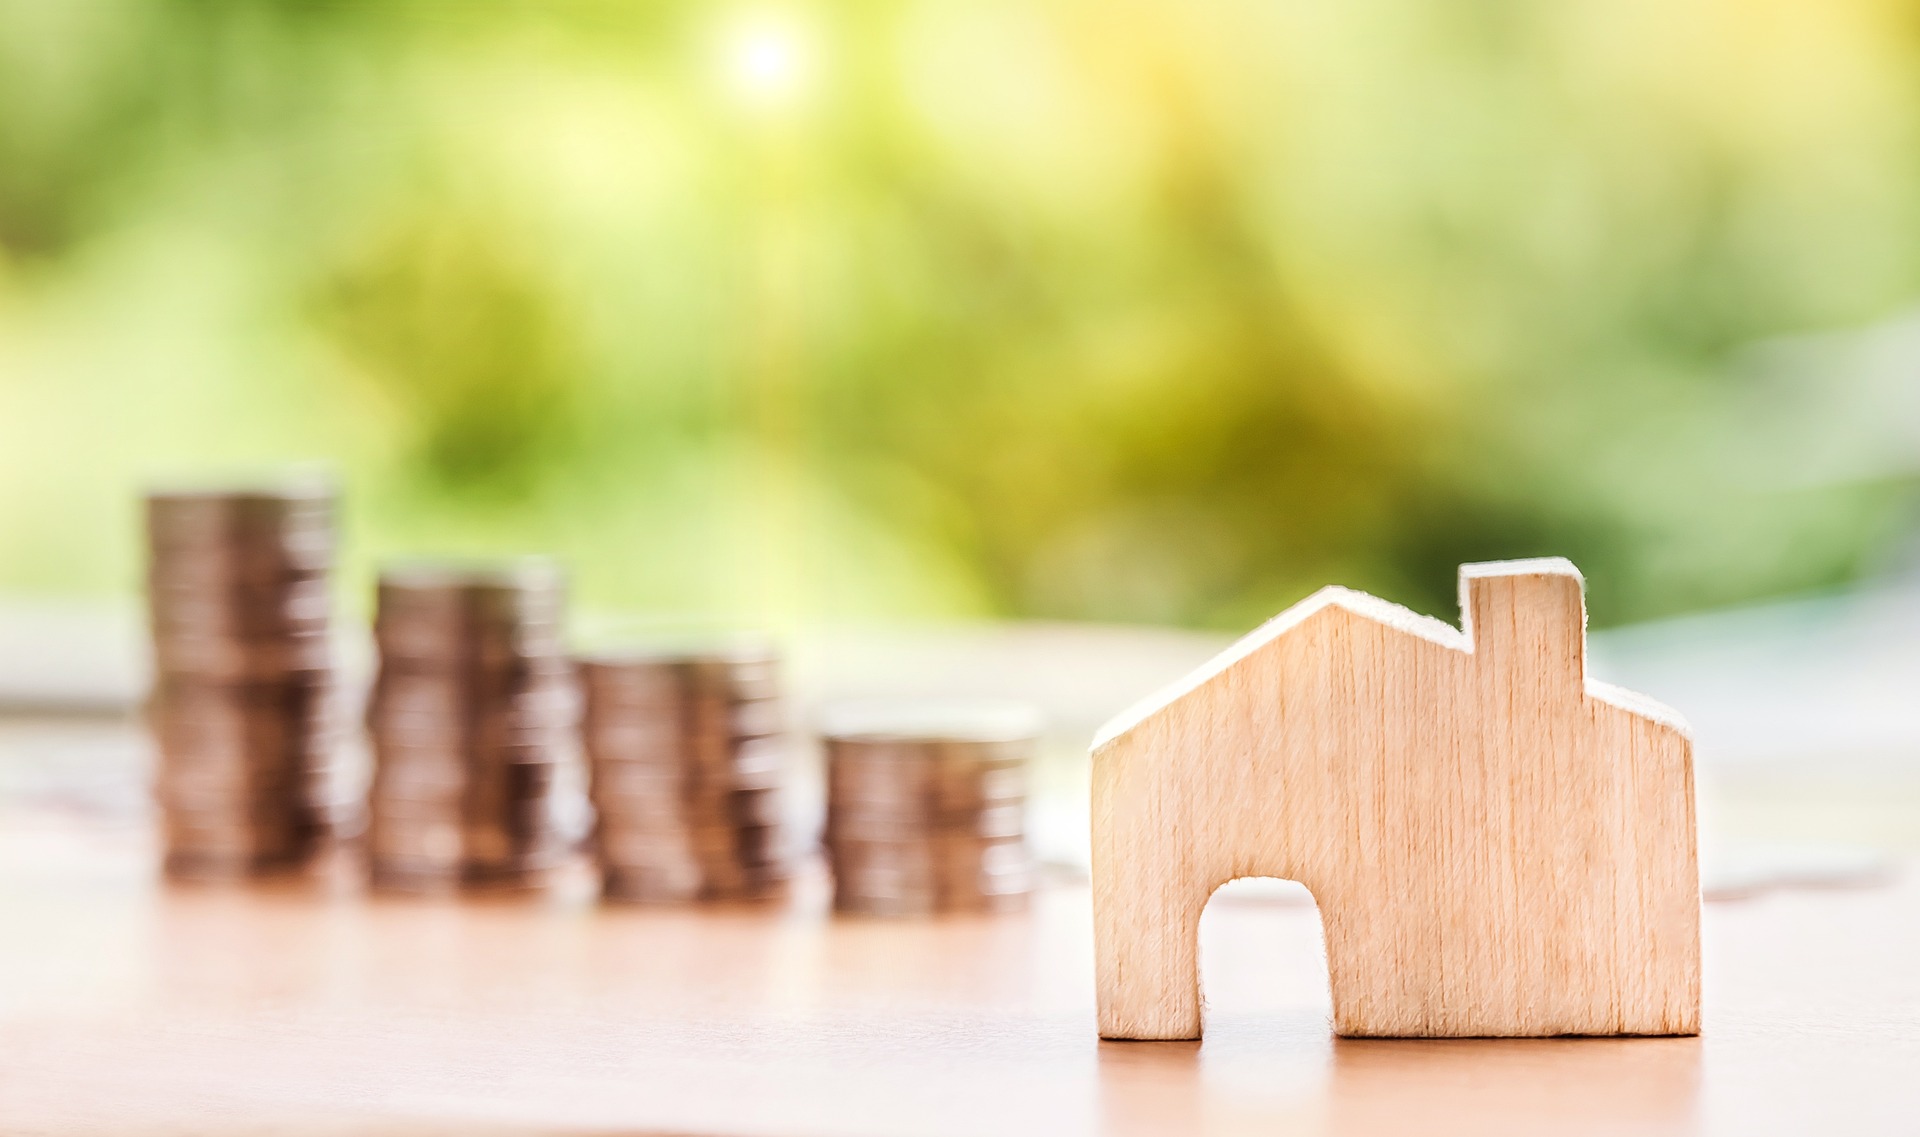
x: 1498, y: 845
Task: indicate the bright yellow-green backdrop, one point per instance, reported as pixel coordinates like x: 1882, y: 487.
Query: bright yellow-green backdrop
x: 1076, y: 308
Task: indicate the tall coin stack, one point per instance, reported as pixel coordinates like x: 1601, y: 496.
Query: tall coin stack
x: 687, y: 758
x: 926, y: 808
x: 243, y: 706
x: 471, y: 719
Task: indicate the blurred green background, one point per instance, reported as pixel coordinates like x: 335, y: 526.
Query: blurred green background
x: 1056, y: 308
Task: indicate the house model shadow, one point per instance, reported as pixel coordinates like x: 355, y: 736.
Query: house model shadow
x: 1498, y: 845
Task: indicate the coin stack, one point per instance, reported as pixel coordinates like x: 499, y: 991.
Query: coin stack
x: 243, y: 703
x: 926, y: 808
x: 471, y: 721
x: 687, y: 758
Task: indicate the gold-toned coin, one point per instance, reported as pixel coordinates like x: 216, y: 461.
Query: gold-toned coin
x: 243, y: 711
x: 471, y: 721
x: 926, y: 807
x: 687, y: 753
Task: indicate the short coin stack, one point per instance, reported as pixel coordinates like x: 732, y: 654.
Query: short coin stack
x: 243, y: 705
x: 471, y: 719
x: 687, y: 758
x: 926, y: 808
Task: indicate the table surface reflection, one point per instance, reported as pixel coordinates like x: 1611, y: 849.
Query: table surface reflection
x: 132, y: 1007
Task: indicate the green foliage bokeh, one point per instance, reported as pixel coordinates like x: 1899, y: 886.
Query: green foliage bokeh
x: 1118, y: 310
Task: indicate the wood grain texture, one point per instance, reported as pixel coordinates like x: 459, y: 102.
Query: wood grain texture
x: 1499, y: 846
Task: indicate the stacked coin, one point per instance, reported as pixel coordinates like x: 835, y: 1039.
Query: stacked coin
x: 471, y: 721
x: 243, y: 704
x: 926, y: 808
x: 687, y: 758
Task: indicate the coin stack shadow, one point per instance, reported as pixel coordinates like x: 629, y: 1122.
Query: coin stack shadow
x: 470, y: 719
x: 687, y: 755
x: 926, y: 809
x: 243, y: 703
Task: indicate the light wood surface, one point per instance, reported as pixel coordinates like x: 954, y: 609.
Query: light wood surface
x: 132, y: 1008
x: 1499, y: 845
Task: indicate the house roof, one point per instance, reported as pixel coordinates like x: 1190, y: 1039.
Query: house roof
x: 1380, y: 612
x: 1359, y: 603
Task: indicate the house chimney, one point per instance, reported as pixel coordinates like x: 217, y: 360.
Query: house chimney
x: 1527, y: 617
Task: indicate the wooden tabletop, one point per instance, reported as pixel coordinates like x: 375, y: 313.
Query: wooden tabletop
x: 132, y: 1007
